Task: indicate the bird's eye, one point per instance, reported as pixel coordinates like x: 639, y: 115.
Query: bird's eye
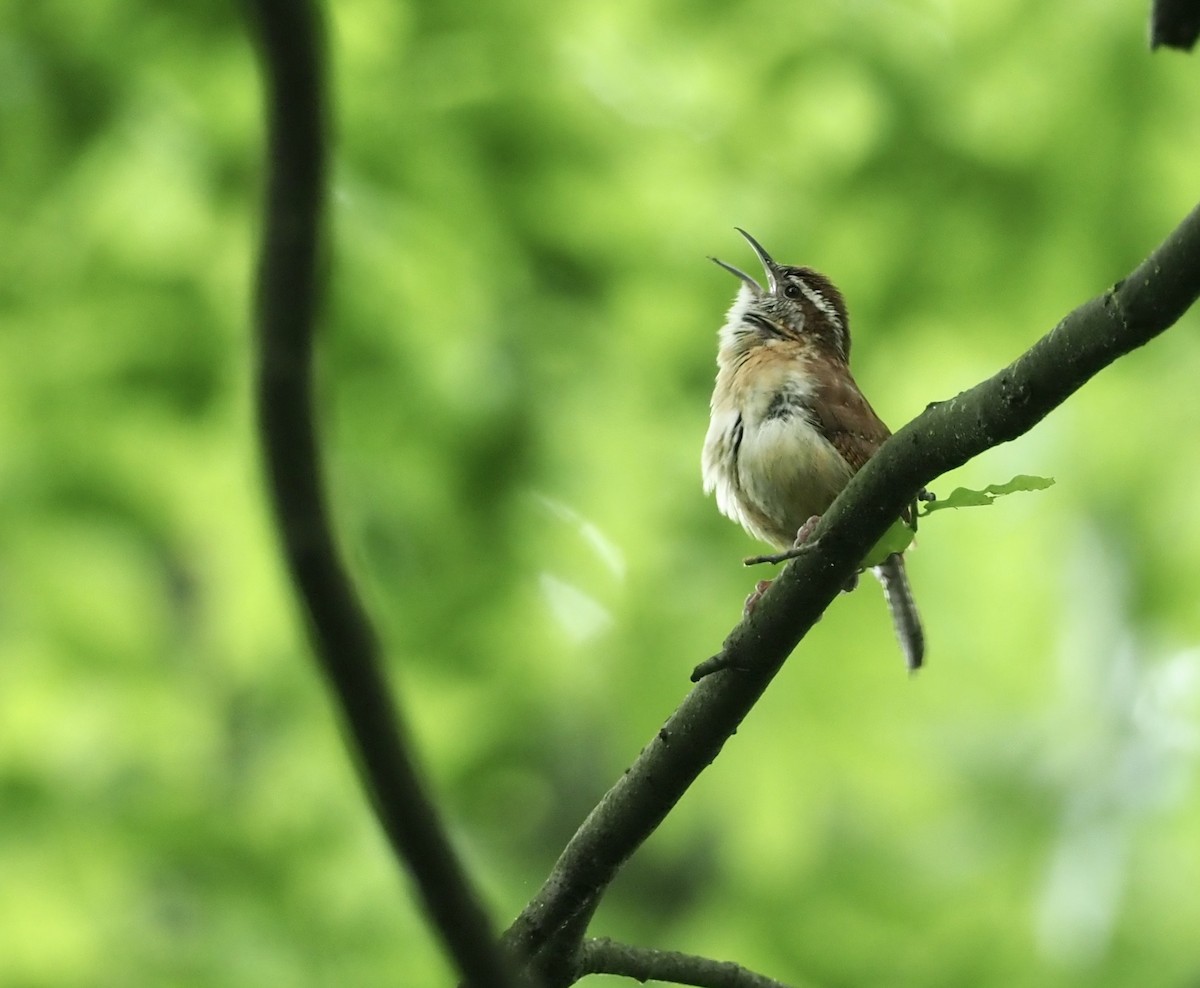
x: 791, y: 290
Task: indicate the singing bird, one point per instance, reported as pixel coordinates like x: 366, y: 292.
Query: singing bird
x: 789, y: 426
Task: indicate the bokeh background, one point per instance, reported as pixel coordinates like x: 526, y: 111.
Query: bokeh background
x: 516, y: 364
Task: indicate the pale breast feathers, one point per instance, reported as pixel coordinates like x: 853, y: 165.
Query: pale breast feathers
x: 719, y: 460
x: 766, y: 455
x: 788, y: 469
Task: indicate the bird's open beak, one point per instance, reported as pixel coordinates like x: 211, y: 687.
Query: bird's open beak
x: 754, y: 285
x: 768, y: 265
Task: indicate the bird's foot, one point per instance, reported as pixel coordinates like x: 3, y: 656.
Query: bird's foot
x: 760, y: 588
x: 804, y: 532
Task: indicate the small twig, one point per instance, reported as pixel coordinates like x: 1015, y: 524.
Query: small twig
x: 714, y: 663
x: 795, y: 552
x: 604, y: 956
x: 805, y: 542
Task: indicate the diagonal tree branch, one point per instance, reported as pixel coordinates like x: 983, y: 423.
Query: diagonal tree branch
x: 289, y: 38
x: 943, y: 437
x: 604, y: 956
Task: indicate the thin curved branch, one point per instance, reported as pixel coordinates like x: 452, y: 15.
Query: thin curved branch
x: 604, y: 956
x: 945, y: 436
x: 289, y: 38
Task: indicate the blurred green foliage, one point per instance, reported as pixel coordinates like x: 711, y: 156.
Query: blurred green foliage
x: 515, y: 368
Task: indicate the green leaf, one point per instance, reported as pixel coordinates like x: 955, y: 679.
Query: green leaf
x: 899, y: 537
x: 895, y: 539
x: 962, y: 497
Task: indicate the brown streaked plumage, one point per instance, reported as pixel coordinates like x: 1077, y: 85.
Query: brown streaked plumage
x: 789, y: 425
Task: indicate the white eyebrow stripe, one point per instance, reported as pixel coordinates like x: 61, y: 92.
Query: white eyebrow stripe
x: 821, y: 302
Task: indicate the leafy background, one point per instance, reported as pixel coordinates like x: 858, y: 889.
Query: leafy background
x: 516, y: 367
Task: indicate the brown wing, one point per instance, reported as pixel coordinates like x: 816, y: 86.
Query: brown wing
x: 847, y: 418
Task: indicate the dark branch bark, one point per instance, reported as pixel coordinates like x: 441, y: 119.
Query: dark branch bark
x: 289, y: 37
x: 1174, y: 23
x: 945, y: 436
x: 603, y: 956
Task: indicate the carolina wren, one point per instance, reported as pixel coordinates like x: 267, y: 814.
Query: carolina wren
x: 789, y: 426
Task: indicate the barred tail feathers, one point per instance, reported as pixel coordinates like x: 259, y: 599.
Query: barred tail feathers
x: 905, y: 619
